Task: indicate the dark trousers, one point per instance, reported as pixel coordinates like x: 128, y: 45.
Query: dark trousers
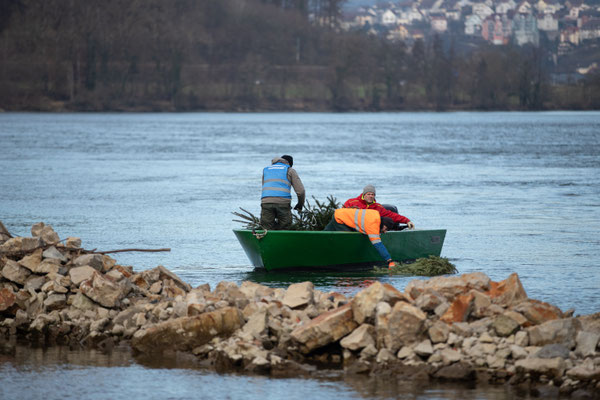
x: 333, y: 225
x: 275, y: 216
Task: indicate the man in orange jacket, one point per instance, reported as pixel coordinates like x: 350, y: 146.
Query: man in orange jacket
x: 368, y: 222
x: 367, y: 201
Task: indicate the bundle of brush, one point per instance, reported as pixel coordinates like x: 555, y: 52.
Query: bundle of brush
x: 315, y: 218
x: 431, y: 266
x: 312, y: 218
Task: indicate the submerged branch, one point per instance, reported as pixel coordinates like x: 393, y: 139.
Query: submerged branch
x: 124, y: 250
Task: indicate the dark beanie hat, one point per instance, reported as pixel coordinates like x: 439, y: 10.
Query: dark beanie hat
x: 388, y: 222
x: 289, y: 159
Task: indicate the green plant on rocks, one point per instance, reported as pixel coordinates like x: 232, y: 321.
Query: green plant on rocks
x: 430, y: 266
x: 312, y: 218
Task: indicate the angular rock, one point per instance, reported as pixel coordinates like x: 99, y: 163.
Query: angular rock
x: 518, y: 352
x: 32, y: 260
x: 404, y: 324
x: 553, y: 367
x: 456, y: 372
x: 429, y: 300
x: 53, y: 286
x: 326, y: 328
x: 439, y: 332
x: 522, y: 338
x: 424, y: 348
x: 80, y: 274
x: 537, y: 312
x: 256, y: 325
x: 507, y: 292
x: 365, y: 301
x: 254, y: 291
x: 55, y: 302
x: 166, y: 274
x: 460, y: 309
x: 405, y: 352
x: 517, y: 317
x: 19, y: 244
x: 449, y: 287
x: 384, y: 356
x: 587, y: 343
x: 299, y: 295
x: 92, y: 260
x: 450, y: 356
x: 505, y: 326
x: 14, y: 272
x: 47, y: 266
x: 48, y: 235
x: 171, y: 289
x: 187, y: 333
x: 360, y: 338
x: 7, y: 299
x: 584, y: 372
x: 52, y: 252
x: 34, y: 282
x: 36, y: 229
x: 155, y: 288
x: 552, y: 351
x: 82, y: 302
x: 481, y: 302
x: 102, y: 290
x: 73, y: 242
x: 555, y: 331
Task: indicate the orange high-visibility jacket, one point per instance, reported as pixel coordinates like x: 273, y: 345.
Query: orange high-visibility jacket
x: 364, y: 221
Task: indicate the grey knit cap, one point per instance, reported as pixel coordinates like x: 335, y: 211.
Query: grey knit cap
x: 369, y: 188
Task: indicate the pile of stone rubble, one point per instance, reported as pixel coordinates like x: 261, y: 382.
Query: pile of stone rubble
x: 463, y: 327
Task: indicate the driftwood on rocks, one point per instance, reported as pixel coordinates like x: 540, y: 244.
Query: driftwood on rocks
x: 465, y: 327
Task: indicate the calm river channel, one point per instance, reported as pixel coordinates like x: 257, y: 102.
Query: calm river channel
x: 517, y: 192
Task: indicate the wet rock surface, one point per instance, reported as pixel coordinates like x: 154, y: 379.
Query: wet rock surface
x: 457, y: 328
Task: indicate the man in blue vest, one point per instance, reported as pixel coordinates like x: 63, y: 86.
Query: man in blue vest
x: 277, y: 181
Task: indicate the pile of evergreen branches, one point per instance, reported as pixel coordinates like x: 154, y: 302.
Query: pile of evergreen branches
x: 311, y: 218
x: 431, y: 266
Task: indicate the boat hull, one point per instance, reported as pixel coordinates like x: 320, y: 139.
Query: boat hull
x: 326, y: 249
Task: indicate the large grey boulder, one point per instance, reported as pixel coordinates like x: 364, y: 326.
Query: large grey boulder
x: 555, y: 331
x: 187, y: 333
x: 553, y: 367
x: 326, y: 328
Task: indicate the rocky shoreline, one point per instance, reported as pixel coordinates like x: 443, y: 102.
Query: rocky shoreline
x: 458, y: 328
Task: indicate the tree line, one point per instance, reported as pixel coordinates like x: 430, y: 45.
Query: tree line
x: 187, y: 55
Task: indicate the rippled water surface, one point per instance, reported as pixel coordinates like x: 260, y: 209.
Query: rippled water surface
x: 517, y: 192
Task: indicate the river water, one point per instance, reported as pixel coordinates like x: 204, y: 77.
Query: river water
x: 517, y: 192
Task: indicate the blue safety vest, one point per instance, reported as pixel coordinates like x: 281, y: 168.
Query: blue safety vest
x: 276, y: 183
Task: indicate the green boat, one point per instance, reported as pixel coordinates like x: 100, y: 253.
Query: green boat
x: 334, y: 250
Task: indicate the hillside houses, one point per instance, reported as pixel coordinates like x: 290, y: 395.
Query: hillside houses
x: 564, y: 23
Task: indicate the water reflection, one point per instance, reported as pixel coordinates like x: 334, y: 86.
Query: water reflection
x: 63, y: 373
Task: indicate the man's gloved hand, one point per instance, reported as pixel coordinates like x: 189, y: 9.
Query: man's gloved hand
x: 298, y: 207
x: 410, y: 225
